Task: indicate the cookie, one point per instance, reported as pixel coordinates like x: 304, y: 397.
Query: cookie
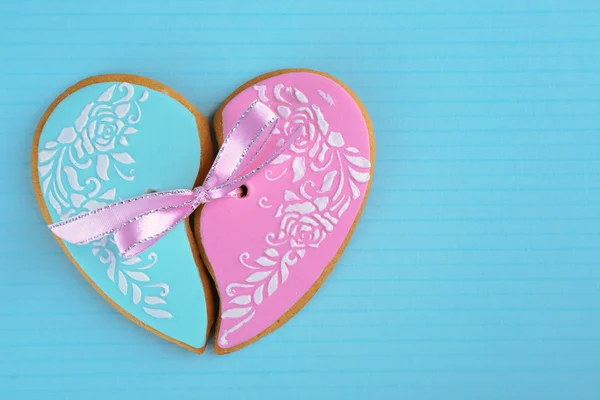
x: 114, y: 137
x: 270, y: 251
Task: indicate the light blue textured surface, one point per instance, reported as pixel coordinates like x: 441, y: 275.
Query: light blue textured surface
x: 158, y: 131
x: 474, y: 272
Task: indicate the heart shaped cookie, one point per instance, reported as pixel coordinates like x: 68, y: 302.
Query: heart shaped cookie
x: 270, y: 251
x: 113, y: 137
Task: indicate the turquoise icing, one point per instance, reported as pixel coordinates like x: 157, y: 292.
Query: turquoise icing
x: 111, y: 141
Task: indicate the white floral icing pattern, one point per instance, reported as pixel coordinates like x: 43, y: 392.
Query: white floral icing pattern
x: 307, y: 215
x: 97, y: 141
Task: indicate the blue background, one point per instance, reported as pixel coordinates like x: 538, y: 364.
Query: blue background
x: 474, y: 272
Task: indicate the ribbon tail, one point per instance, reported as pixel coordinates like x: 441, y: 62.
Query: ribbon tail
x: 87, y: 227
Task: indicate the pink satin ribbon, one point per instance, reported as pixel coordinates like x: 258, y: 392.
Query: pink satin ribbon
x: 139, y: 222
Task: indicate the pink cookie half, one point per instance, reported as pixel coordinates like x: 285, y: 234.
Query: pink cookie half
x: 270, y: 251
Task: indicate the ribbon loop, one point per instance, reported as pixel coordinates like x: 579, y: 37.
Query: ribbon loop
x: 139, y: 222
x: 239, y: 143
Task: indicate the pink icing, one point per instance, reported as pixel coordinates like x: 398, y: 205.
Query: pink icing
x: 268, y: 249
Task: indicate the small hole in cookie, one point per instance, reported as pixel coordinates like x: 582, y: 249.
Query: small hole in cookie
x: 150, y: 191
x: 243, y: 191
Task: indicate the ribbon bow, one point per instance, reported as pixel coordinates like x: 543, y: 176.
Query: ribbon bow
x: 139, y: 222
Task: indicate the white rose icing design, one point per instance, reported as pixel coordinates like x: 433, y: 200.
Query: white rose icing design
x: 98, y: 136
x: 327, y: 175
